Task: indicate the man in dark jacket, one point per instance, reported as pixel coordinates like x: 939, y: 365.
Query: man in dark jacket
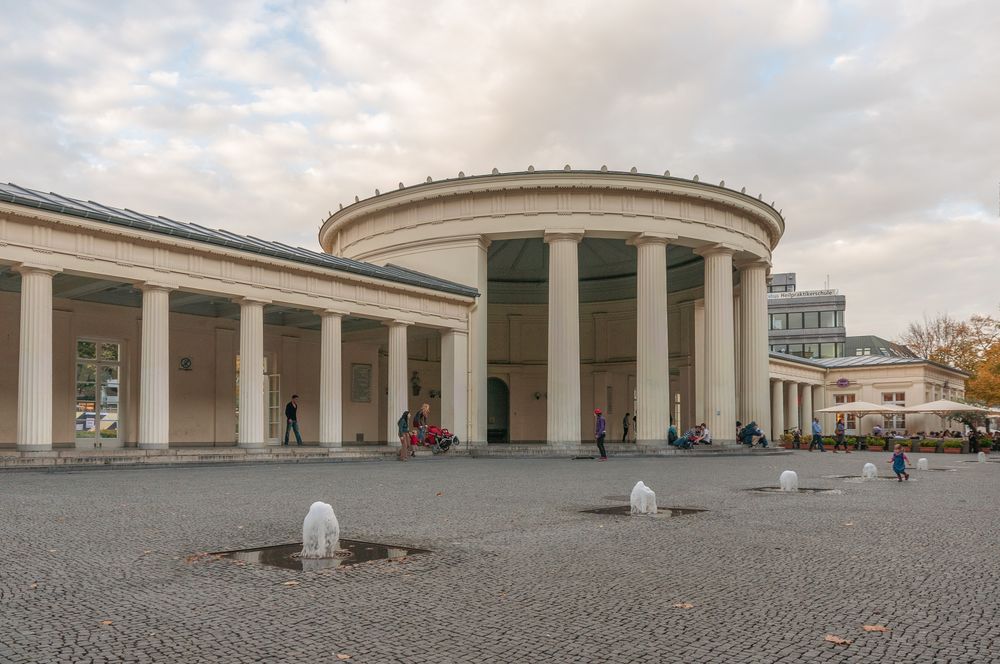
x: 292, y: 419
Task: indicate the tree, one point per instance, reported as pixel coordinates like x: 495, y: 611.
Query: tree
x: 961, y: 344
x: 984, y: 386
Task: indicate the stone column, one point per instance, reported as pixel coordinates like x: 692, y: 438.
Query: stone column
x: 720, y: 372
x: 792, y: 405
x: 455, y: 382
x: 252, y: 410
x: 806, y: 410
x: 477, y: 337
x: 397, y: 379
x: 34, y: 376
x: 563, y: 412
x: 331, y: 377
x: 652, y: 356
x: 154, y: 367
x: 777, y: 411
x: 819, y: 403
x: 753, y: 345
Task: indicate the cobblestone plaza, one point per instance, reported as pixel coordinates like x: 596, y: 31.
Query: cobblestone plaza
x: 102, y: 566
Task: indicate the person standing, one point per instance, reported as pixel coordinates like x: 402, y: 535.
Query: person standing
x: 625, y: 423
x: 403, y: 430
x: 292, y: 419
x: 600, y: 429
x: 817, y: 438
x: 420, y: 422
x: 840, y: 438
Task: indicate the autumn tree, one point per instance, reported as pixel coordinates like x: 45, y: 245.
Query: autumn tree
x: 958, y: 343
x: 984, y: 386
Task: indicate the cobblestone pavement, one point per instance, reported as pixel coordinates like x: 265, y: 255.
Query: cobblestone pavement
x: 95, y: 568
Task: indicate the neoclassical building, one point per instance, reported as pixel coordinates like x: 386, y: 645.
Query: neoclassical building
x: 514, y: 304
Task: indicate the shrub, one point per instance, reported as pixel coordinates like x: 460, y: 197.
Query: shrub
x: 952, y: 443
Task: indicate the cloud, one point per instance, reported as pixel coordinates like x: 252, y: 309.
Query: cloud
x: 871, y: 124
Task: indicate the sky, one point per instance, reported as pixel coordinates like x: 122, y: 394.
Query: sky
x: 874, y: 126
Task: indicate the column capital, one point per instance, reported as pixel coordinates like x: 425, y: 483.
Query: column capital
x: 331, y: 313
x: 566, y: 235
x: 155, y: 286
x: 752, y: 262
x: 650, y: 238
x: 397, y: 323
x: 453, y: 330
x: 26, y: 268
x: 714, y: 249
x: 251, y: 300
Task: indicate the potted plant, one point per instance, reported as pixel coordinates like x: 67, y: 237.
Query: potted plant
x: 875, y: 444
x: 952, y: 446
x: 927, y: 445
x: 786, y: 440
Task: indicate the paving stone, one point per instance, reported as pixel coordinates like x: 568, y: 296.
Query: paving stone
x: 517, y: 573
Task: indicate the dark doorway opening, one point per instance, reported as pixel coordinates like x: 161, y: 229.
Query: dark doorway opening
x: 497, y: 411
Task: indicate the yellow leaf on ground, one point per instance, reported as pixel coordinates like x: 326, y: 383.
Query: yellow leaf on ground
x: 290, y: 583
x: 875, y: 628
x: 107, y: 622
x: 439, y: 493
x: 838, y: 640
x: 342, y: 656
x: 684, y: 605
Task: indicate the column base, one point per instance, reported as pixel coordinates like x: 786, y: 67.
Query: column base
x: 251, y: 446
x: 154, y: 446
x: 331, y: 446
x: 41, y: 447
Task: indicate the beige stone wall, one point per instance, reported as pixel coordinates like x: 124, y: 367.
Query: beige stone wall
x: 202, y: 400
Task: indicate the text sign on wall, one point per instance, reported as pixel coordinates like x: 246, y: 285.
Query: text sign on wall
x: 803, y: 293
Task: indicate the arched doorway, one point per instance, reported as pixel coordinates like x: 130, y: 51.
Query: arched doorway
x: 497, y: 411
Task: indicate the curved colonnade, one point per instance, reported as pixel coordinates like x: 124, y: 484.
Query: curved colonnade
x: 721, y: 242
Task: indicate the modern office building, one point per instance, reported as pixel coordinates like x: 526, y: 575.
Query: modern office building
x: 806, y: 324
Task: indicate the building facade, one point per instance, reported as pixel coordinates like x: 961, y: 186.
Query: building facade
x: 554, y: 293
x: 806, y: 323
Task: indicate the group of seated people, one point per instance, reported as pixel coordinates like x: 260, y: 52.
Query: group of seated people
x: 698, y: 435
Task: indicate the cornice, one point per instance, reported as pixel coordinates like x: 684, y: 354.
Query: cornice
x: 538, y: 180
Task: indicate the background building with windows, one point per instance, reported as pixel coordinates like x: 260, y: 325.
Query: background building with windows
x: 806, y: 324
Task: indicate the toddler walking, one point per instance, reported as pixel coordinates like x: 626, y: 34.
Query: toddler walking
x: 898, y: 462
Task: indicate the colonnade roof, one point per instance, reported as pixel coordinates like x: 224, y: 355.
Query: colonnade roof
x: 858, y: 361
x: 12, y: 193
x: 432, y: 187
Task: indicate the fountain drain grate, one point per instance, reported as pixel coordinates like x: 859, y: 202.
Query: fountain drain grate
x: 626, y: 510
x: 777, y: 489
x: 286, y: 556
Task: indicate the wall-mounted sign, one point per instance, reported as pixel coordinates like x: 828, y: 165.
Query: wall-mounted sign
x: 803, y: 293
x: 186, y: 364
x: 361, y: 383
x: 843, y: 382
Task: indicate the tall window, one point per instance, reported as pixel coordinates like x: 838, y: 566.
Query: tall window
x: 895, y: 421
x: 98, y: 369
x: 850, y: 421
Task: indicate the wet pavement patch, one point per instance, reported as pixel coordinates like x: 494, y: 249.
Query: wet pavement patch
x: 626, y: 510
x: 862, y: 479
x: 353, y: 552
x: 777, y: 489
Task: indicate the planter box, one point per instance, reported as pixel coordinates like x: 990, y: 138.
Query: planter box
x: 928, y: 450
x: 953, y: 450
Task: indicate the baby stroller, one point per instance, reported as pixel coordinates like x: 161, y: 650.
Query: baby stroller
x: 747, y: 434
x: 438, y: 439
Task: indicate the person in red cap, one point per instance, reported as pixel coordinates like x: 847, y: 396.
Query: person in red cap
x: 600, y: 429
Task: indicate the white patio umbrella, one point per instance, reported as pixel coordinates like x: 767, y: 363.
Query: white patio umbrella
x: 944, y: 408
x: 862, y: 408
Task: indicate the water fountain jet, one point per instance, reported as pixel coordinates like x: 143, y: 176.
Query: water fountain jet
x: 869, y: 472
x: 922, y: 463
x: 789, y: 481
x: 320, y: 532
x: 643, y: 499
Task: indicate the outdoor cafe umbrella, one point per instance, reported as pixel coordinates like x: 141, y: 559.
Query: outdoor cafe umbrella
x: 945, y: 408
x: 862, y: 408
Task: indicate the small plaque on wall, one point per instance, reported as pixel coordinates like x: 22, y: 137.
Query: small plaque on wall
x: 361, y: 383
